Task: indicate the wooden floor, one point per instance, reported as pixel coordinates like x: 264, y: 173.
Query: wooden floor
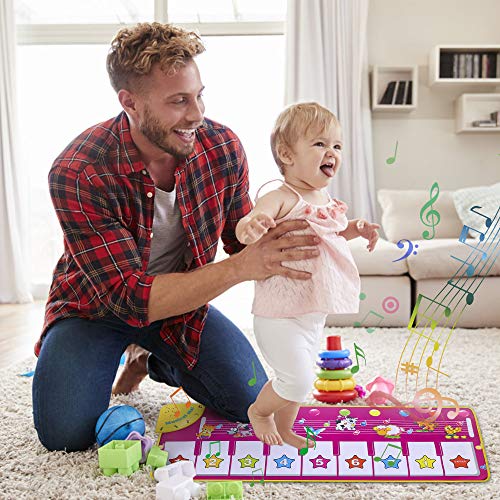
x: 20, y: 326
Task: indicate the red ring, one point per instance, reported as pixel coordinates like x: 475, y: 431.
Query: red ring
x: 335, y: 396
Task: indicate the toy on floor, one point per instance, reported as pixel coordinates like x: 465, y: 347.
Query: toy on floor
x: 380, y: 384
x: 146, y: 444
x: 157, y: 457
x: 175, y: 481
x: 335, y: 383
x: 117, y: 422
x: 225, y: 490
x: 120, y: 457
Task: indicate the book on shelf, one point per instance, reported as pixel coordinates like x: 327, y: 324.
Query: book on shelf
x: 461, y: 66
x: 389, y: 92
x: 455, y: 65
x: 409, y: 91
x: 400, y: 93
x: 484, y: 123
x: 468, y: 66
x: 498, y: 65
x: 446, y: 65
x: 495, y: 117
x: 475, y: 66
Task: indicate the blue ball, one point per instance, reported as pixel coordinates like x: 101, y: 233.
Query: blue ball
x: 118, y: 422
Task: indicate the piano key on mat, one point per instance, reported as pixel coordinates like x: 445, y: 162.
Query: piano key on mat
x: 423, y: 459
x: 354, y: 459
x: 459, y: 458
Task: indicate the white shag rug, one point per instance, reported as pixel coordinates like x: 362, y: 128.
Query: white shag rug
x: 27, y: 470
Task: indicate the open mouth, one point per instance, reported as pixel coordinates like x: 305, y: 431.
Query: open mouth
x: 328, y: 169
x: 185, y: 134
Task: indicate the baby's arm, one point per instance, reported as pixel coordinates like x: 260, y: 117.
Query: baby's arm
x: 361, y: 227
x: 253, y: 226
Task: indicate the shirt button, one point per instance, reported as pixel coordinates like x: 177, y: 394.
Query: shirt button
x: 151, y: 235
x: 149, y: 195
x: 144, y: 172
x: 189, y: 244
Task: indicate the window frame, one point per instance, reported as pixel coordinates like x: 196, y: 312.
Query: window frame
x: 88, y: 34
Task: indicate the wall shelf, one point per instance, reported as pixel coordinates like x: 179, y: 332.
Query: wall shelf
x: 469, y: 60
x: 471, y: 107
x: 382, y: 76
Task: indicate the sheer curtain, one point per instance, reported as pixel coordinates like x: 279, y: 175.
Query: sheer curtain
x: 326, y: 61
x: 14, y: 285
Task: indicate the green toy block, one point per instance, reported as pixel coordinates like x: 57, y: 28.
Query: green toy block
x: 157, y: 457
x: 224, y: 490
x: 120, y: 457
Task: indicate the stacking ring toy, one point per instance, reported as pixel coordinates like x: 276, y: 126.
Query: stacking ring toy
x: 333, y: 374
x: 335, y: 396
x: 334, y: 385
x: 338, y: 354
x: 334, y: 364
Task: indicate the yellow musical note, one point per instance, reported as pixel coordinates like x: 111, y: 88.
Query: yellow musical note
x: 447, y: 313
x: 358, y: 352
x: 171, y: 395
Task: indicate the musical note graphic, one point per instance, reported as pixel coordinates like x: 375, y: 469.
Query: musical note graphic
x: 488, y: 220
x: 369, y: 329
x: 392, y: 159
x: 253, y: 380
x: 255, y: 471
x: 217, y: 453
x: 470, y: 268
x: 309, y: 433
x: 409, y: 251
x: 188, y: 404
x: 470, y: 295
x: 430, y: 360
x: 432, y: 217
x: 447, y: 313
x: 358, y: 352
x: 389, y: 445
x: 463, y: 237
x: 411, y: 368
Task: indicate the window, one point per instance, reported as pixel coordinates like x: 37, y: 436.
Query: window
x: 64, y: 89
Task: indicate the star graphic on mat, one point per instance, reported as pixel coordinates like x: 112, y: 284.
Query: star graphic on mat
x: 248, y: 461
x: 212, y: 461
x: 284, y: 461
x: 178, y: 458
x: 390, y: 462
x: 460, y: 461
x: 319, y: 461
x: 425, y: 462
x: 355, y: 462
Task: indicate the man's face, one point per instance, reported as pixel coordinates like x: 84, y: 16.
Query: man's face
x: 170, y: 109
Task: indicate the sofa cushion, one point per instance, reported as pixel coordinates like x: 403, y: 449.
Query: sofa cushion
x: 378, y: 262
x: 488, y: 200
x: 401, y: 214
x: 433, y: 259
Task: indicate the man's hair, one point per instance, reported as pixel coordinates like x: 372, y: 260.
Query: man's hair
x: 299, y: 120
x: 134, y: 51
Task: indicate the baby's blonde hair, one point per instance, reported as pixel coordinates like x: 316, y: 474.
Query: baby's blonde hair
x: 298, y: 120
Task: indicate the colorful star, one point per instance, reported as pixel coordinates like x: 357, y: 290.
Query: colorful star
x: 248, y: 461
x: 355, y: 462
x: 390, y: 462
x: 213, y: 461
x: 284, y: 461
x: 319, y: 461
x: 425, y: 462
x: 460, y: 461
x: 178, y: 458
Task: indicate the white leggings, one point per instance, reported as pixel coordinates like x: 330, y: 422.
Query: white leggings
x: 290, y: 346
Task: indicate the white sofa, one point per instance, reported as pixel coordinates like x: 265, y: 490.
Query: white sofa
x: 391, y: 288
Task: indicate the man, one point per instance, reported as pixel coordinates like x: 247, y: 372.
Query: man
x: 143, y: 200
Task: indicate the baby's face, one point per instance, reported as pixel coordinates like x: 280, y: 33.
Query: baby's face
x: 315, y: 159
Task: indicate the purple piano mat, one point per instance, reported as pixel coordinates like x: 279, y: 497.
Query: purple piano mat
x: 357, y: 443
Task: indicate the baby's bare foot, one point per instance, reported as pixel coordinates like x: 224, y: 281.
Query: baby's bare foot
x: 264, y: 427
x: 289, y: 437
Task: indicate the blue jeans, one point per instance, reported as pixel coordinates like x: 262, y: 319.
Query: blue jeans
x: 79, y: 359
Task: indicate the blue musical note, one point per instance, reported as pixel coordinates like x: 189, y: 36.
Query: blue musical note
x: 409, y: 251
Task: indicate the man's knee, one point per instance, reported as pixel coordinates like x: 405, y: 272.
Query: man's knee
x: 65, y: 436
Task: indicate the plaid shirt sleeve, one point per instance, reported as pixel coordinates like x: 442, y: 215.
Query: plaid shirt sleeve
x: 240, y: 206
x: 105, y: 253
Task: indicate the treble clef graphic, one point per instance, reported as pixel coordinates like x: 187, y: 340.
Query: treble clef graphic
x: 432, y: 216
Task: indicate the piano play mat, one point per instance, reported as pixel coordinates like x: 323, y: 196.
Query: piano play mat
x: 357, y: 443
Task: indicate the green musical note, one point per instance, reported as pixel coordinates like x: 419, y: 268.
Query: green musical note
x: 309, y: 433
x: 432, y: 217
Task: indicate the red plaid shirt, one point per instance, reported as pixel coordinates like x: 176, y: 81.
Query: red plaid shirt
x: 104, y: 200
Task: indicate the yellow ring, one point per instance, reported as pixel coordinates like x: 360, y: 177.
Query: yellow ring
x: 335, y: 385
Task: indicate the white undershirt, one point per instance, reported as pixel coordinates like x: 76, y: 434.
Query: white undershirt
x: 169, y: 249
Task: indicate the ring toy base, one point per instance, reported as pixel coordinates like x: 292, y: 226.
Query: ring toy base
x: 333, y: 374
x: 335, y: 396
x: 334, y: 385
x: 334, y: 364
x: 344, y: 353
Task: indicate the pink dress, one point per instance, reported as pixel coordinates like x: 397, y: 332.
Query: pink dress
x: 334, y: 286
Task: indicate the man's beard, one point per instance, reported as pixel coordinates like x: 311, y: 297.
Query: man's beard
x: 152, y: 129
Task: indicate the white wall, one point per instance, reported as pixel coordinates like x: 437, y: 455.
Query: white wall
x: 402, y: 32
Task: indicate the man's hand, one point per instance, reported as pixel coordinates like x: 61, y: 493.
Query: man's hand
x: 368, y: 230
x: 263, y: 258
x: 256, y: 227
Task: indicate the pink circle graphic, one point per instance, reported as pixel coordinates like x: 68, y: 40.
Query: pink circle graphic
x: 390, y: 305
